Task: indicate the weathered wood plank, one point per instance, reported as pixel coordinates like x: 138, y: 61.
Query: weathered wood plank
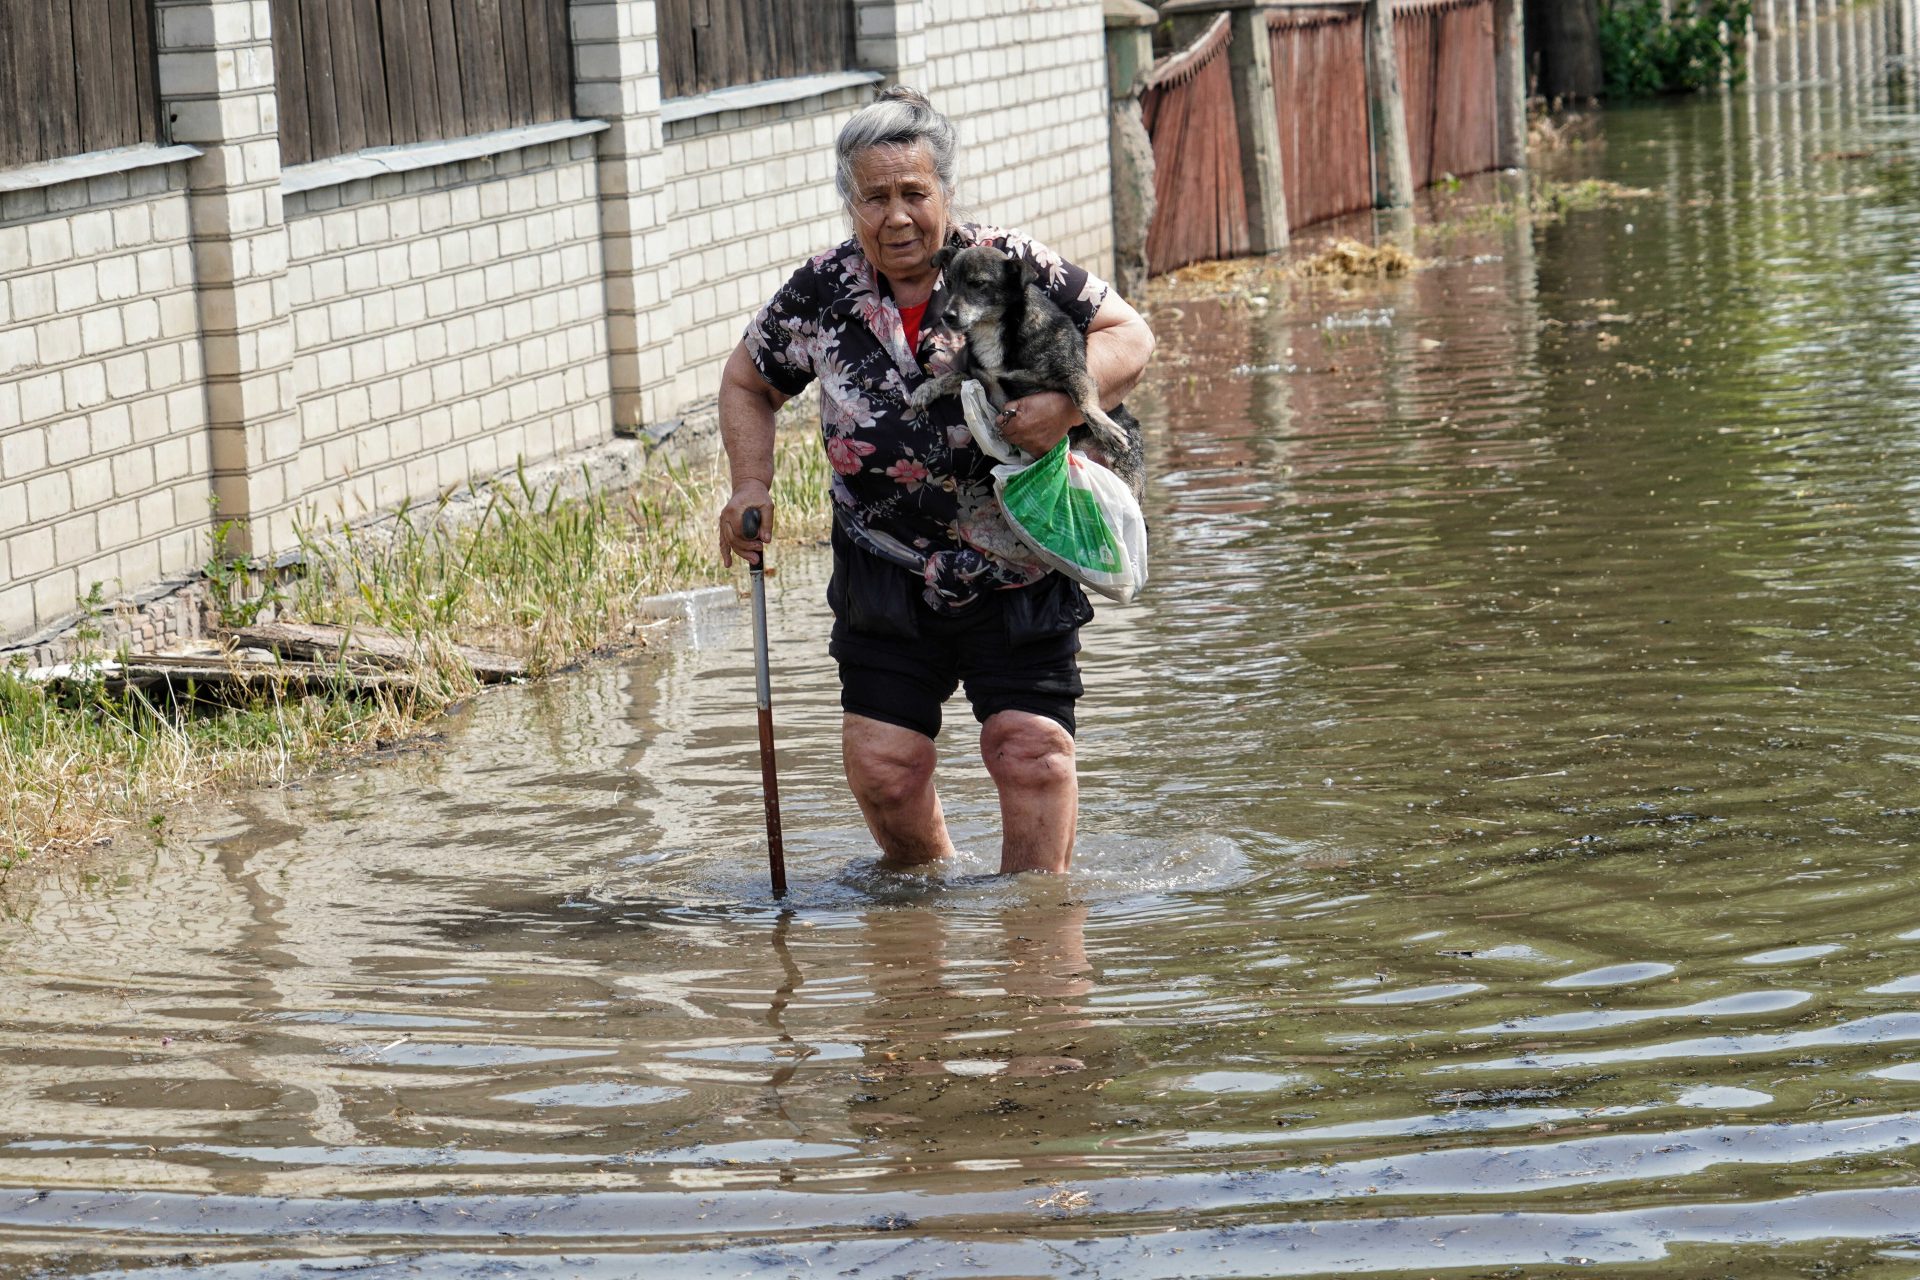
x: 676, y: 48
x: 326, y: 643
x: 364, y: 15
x: 513, y: 61
x: 146, y: 93
x: 398, y: 57
x: 541, y: 94
x: 482, y: 83
x: 349, y: 93
x: 446, y: 69
x: 57, y: 104
x: 290, y: 83
x: 104, y: 65
x: 415, y: 62
x: 323, y: 115
x: 560, y: 51
x: 245, y: 678
x: 17, y: 145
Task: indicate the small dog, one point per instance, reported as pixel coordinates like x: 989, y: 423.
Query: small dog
x: 1019, y: 341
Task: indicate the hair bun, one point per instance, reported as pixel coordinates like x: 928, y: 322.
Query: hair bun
x: 903, y: 93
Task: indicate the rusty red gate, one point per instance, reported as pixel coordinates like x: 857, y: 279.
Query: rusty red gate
x: 1320, y: 103
x: 1447, y: 84
x: 1200, y: 195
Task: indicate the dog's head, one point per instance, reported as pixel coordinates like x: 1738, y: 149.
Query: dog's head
x: 981, y: 281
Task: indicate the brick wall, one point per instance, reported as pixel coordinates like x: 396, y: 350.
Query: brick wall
x: 447, y: 323
x: 103, y: 449
x: 1025, y: 81
x: 322, y: 346
x: 753, y: 196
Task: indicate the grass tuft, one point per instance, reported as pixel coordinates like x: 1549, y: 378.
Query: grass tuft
x: 546, y: 579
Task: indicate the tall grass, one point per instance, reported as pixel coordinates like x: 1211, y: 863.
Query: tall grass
x: 546, y: 579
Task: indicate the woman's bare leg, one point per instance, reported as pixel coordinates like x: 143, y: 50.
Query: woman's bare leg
x: 1031, y: 760
x: 890, y: 770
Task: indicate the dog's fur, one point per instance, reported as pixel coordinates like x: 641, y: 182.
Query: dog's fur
x: 1019, y: 341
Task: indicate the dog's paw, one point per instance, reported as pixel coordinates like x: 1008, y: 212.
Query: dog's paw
x: 923, y: 397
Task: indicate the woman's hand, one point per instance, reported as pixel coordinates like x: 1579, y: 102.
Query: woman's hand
x: 747, y: 495
x: 1037, y: 422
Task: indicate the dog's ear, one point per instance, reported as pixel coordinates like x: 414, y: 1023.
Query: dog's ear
x: 1020, y: 272
x: 943, y: 256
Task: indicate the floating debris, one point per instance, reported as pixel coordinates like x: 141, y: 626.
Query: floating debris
x: 1257, y: 370
x: 1568, y: 132
x: 1347, y: 259
x: 1367, y: 319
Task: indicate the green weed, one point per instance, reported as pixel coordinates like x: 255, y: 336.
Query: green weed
x: 547, y: 579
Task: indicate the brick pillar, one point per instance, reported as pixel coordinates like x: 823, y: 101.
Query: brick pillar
x: 616, y: 48
x: 890, y: 36
x: 217, y: 88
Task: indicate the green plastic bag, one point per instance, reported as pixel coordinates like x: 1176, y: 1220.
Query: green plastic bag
x: 1078, y: 517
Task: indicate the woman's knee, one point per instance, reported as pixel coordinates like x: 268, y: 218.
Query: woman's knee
x: 886, y: 764
x: 1023, y: 749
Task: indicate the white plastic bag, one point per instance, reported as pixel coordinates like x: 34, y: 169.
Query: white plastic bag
x: 983, y: 423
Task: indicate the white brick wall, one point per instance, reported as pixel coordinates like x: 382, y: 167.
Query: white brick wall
x: 753, y: 194
x: 103, y: 448
x: 447, y: 323
x: 375, y: 341
x: 1025, y: 81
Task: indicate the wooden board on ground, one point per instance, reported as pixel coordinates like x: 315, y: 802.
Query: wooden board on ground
x: 224, y: 674
x: 324, y: 643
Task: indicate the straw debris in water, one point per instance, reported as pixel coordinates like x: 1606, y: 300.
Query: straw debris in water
x: 1349, y: 259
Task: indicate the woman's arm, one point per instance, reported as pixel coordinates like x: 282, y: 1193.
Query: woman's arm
x: 747, y: 406
x: 1119, y: 344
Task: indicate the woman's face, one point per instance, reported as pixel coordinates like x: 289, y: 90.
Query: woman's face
x: 899, y: 209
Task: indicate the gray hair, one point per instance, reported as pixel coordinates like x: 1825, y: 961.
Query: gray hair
x: 898, y: 116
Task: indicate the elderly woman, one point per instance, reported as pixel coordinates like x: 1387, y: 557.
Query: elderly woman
x: 929, y: 590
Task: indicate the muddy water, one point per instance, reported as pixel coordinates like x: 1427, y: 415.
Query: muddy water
x: 1497, y: 859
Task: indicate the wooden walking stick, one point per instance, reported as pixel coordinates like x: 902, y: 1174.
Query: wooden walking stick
x: 763, y: 689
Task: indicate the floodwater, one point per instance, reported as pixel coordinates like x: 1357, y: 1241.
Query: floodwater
x: 1499, y: 827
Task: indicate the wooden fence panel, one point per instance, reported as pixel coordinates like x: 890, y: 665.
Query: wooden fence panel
x: 1447, y: 84
x: 1320, y: 101
x: 75, y: 76
x: 1200, y: 193
x: 715, y: 44
x: 373, y: 73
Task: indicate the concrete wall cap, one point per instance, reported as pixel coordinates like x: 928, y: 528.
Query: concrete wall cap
x: 1129, y: 13
x: 1172, y: 7
x: 93, y: 164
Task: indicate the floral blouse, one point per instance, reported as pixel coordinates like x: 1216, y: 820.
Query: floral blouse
x: 915, y: 491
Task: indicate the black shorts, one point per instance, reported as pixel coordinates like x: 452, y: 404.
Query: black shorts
x: 899, y: 660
